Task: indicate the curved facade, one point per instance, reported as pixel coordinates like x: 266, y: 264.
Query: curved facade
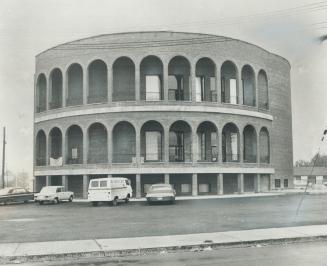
x: 208, y: 114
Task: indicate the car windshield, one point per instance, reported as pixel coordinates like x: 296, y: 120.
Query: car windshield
x: 46, y: 190
x: 6, y: 191
x: 160, y: 188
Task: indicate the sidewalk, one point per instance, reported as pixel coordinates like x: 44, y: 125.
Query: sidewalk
x: 21, y: 252
x: 243, y: 195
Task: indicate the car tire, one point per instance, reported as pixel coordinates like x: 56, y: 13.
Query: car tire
x: 40, y: 202
x: 70, y: 199
x: 56, y: 201
x: 114, y: 202
x: 127, y: 198
x: 94, y: 203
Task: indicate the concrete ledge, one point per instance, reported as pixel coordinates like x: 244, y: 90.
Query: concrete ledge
x: 33, y: 251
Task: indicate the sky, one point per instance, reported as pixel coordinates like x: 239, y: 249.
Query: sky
x: 288, y: 28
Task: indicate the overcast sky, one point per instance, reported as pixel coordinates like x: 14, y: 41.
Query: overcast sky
x: 288, y: 28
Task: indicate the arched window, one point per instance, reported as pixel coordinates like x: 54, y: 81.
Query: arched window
x: 263, y: 90
x: 56, y: 89
x: 75, y: 85
x: 249, y: 97
x: 229, y: 83
x: 250, y: 144
x: 180, y: 142
x: 205, y: 80
x: 55, y: 152
x: 152, y: 136
x: 98, y: 82
x: 207, y: 142
x: 123, y: 80
x: 40, y: 153
x: 124, y: 143
x: 264, y: 143
x: 41, y: 93
x: 151, y: 71
x: 230, y: 143
x: 74, y: 145
x: 98, y: 144
x: 179, y: 79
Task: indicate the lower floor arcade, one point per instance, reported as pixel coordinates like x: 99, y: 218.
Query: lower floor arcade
x: 184, y: 184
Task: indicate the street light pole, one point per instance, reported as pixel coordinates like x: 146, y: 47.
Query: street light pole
x: 3, y: 158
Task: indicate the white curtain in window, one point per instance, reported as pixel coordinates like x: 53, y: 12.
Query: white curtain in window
x: 234, y: 146
x: 153, y: 85
x: 233, y: 91
x: 198, y: 89
x: 152, y: 142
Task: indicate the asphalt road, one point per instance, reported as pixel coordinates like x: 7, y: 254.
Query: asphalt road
x: 69, y: 221
x: 300, y: 254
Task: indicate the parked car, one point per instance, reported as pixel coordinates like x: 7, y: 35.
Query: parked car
x: 53, y: 194
x: 15, y: 194
x: 161, y: 193
x: 111, y: 190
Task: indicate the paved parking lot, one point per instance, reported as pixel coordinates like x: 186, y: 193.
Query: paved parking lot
x: 70, y: 221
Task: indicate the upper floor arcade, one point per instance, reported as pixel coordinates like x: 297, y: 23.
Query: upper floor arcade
x: 152, y: 80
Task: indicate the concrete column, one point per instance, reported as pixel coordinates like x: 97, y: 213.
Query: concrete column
x: 48, y: 180
x: 138, y: 186
x: 240, y: 86
x: 47, y: 150
x: 64, y: 182
x: 241, y: 146
x: 257, y: 183
x: 192, y: 85
x: 220, y: 146
x: 137, y: 82
x: 49, y: 93
x: 240, y: 183
x: 218, y: 84
x: 194, y: 184
x: 166, y: 178
x: 220, y: 184
x: 63, y: 148
x: 85, y: 146
x: 85, y: 86
x: 138, y: 146
x: 258, y: 148
x: 110, y: 83
x: 166, y: 144
x: 194, y: 146
x: 256, y: 92
x: 64, y: 89
x: 165, y: 82
x: 85, y: 185
x: 110, y: 145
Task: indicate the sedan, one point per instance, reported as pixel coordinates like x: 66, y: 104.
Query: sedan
x: 15, y: 194
x: 161, y: 193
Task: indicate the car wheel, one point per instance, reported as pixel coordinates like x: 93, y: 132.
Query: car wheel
x: 94, y: 203
x: 41, y: 202
x: 56, y: 201
x: 127, y: 199
x: 114, y: 202
x: 70, y: 199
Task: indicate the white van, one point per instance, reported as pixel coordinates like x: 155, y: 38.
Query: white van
x: 110, y: 190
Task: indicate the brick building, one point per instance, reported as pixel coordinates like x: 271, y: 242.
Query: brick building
x: 208, y: 114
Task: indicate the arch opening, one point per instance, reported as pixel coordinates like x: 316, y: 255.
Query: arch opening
x: 249, y: 94
x: 123, y: 80
x: 98, y: 82
x: 74, y: 145
x: 180, y: 142
x: 207, y: 142
x: 263, y: 90
x: 55, y: 147
x: 250, y: 144
x: 230, y: 143
x: 41, y: 94
x: 179, y: 79
x: 124, y: 143
x: 98, y: 144
x: 264, y: 144
x: 152, y: 136
x: 205, y: 83
x: 40, y: 154
x: 56, y: 89
x: 75, y: 85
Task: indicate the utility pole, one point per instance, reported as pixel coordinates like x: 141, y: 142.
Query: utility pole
x: 3, y: 158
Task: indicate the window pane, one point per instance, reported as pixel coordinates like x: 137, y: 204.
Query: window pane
x: 234, y: 146
x: 153, y: 87
x: 203, y: 188
x: 199, y: 88
x: 233, y: 91
x: 186, y: 188
x: 152, y: 145
x: 103, y: 183
x: 94, y: 183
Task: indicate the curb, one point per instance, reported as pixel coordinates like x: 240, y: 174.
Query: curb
x: 206, y: 246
